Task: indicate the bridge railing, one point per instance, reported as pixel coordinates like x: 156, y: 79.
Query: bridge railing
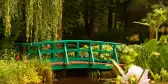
x: 68, y: 47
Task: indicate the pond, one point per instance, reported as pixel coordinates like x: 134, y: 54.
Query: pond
x: 77, y: 77
x: 81, y: 77
x: 77, y: 80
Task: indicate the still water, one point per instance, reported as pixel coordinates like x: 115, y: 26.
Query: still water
x: 77, y: 80
x: 81, y: 77
x: 76, y: 77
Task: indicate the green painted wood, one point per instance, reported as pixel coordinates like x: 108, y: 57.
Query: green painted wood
x: 78, y: 66
x: 28, y: 51
x: 79, y: 59
x: 39, y: 51
x: 17, y: 49
x: 66, y: 59
x: 54, y: 48
x: 115, y: 56
x: 91, y: 60
x: 78, y: 49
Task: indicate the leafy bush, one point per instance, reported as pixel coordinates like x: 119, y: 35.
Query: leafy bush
x: 23, y: 72
x: 127, y: 54
x: 7, y: 54
x: 151, y: 55
x: 7, y: 49
x: 44, y: 70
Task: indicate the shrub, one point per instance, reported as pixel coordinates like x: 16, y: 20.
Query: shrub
x: 23, y: 72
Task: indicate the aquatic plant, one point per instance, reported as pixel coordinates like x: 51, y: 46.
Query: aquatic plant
x: 136, y: 75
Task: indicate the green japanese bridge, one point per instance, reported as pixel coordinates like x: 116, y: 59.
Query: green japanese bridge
x: 72, y: 54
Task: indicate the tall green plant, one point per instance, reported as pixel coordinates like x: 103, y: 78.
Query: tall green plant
x: 154, y: 19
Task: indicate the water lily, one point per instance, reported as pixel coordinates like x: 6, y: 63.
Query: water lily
x: 136, y: 72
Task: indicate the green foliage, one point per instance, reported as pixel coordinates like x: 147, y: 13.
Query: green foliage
x: 151, y: 55
x: 155, y: 19
x: 157, y: 77
x: 7, y: 54
x: 44, y: 69
x: 94, y: 73
x: 17, y: 73
x: 73, y: 15
x: 163, y: 39
x: 23, y: 72
x: 105, y: 56
x: 151, y: 45
x: 163, y: 50
x: 142, y: 55
x: 41, y: 20
x: 8, y: 10
x: 127, y: 54
x: 164, y: 75
x: 7, y: 50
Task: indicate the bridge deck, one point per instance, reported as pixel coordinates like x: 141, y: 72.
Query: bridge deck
x: 76, y: 62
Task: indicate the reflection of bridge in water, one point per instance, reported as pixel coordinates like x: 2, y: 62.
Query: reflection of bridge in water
x: 73, y: 54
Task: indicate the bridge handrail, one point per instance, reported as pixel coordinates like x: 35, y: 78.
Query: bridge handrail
x: 91, y: 60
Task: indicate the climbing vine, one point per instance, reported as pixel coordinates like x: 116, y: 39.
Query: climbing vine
x: 42, y: 18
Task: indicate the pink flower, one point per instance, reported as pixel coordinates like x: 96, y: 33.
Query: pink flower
x: 136, y: 71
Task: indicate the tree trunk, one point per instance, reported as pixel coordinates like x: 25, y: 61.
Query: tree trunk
x: 110, y: 15
x: 116, y: 14
x: 92, y: 20
x: 115, y: 21
x: 126, y: 14
x: 86, y: 13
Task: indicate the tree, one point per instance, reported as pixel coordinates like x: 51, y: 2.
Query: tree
x: 39, y: 19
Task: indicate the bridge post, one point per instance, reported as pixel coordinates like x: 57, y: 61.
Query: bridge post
x: 101, y: 48
x: 115, y: 56
x: 91, y: 57
x: 39, y: 51
x: 28, y: 51
x: 54, y: 48
x: 66, y: 61
x: 78, y: 48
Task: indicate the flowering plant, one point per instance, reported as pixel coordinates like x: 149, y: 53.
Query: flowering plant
x: 136, y: 75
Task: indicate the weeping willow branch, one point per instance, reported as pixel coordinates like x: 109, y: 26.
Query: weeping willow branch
x: 7, y: 17
x: 42, y: 18
x: 29, y: 17
x: 37, y: 20
x: 8, y: 12
x: 57, y: 6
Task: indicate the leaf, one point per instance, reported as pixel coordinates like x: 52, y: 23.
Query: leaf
x: 151, y: 45
x: 145, y: 24
x: 163, y: 18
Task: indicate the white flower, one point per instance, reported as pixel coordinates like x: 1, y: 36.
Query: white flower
x: 137, y: 71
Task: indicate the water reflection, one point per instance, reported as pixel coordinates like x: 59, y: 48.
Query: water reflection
x: 78, y: 77
x: 78, y: 80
